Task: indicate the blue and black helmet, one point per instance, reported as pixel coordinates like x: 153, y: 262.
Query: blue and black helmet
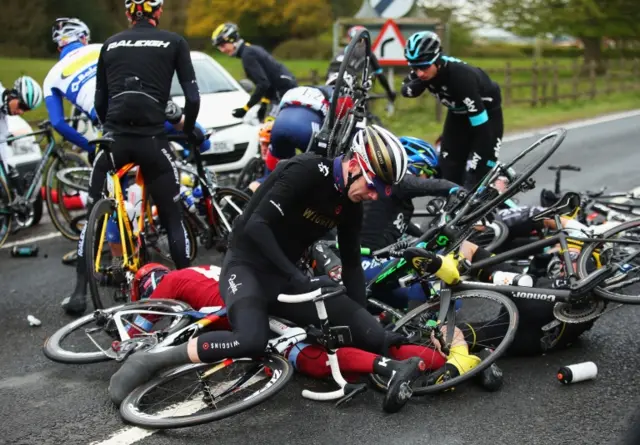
x: 423, y: 158
x: 422, y: 48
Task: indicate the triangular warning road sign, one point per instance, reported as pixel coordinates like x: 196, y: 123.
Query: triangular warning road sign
x: 389, y: 45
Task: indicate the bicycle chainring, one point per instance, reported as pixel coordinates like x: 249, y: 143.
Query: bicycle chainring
x: 570, y: 313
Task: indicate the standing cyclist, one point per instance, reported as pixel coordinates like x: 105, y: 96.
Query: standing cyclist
x: 72, y: 78
x: 25, y: 95
x: 473, y: 128
x: 133, y: 82
x: 272, y: 79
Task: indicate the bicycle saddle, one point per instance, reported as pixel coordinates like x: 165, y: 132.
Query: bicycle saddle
x: 569, y: 204
x: 106, y: 139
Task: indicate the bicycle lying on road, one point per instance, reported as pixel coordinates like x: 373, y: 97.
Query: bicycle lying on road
x: 254, y: 380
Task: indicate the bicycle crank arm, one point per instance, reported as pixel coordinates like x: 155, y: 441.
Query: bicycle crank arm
x: 351, y: 390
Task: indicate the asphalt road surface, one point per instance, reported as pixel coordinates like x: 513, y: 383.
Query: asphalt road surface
x: 42, y: 402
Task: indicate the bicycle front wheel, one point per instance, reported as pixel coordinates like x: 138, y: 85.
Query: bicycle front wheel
x: 602, y: 253
x: 205, y: 392
x: 483, y: 318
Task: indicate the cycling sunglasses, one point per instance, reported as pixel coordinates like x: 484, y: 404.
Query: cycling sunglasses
x: 424, y: 65
x: 373, y: 182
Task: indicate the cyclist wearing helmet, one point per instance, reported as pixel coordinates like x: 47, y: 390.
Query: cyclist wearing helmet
x: 133, y: 83
x: 72, y: 78
x: 272, y: 79
x: 25, y: 95
x: 264, y: 136
x: 473, y: 129
x: 299, y: 202
x: 358, y: 60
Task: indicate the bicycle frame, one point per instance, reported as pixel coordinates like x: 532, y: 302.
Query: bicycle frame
x: 48, y: 153
x: 114, y: 188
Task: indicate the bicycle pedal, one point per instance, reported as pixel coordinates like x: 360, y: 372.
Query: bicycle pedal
x: 550, y: 326
x: 353, y: 390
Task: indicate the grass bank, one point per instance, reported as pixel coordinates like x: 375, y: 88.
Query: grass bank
x: 415, y: 117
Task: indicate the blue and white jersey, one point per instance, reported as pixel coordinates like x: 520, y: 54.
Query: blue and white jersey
x: 72, y: 78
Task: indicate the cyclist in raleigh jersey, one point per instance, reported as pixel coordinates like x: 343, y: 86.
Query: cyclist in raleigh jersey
x: 473, y: 128
x: 272, y: 79
x: 73, y: 78
x: 298, y: 203
x: 25, y: 95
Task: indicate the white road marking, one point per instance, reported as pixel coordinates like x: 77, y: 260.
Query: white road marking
x: 570, y: 125
x: 131, y: 435
x: 31, y: 240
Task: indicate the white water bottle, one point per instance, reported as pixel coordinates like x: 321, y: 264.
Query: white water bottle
x: 510, y: 278
x: 134, y: 196
x: 577, y: 373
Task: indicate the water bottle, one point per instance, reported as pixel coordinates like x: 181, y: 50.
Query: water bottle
x: 24, y: 251
x: 186, y: 179
x: 577, y: 373
x: 134, y: 197
x: 197, y: 195
x: 187, y: 198
x: 510, y: 278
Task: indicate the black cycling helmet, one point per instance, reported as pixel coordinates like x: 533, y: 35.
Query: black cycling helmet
x: 422, y: 48
x: 225, y: 33
x: 137, y: 9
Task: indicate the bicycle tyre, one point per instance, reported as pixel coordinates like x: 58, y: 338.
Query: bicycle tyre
x: 53, y: 351
x: 60, y: 216
x: 501, y: 233
x: 514, y: 187
x: 5, y: 218
x: 130, y: 413
x: 63, y: 175
x: 512, y: 311
x: 585, y: 255
x: 250, y: 172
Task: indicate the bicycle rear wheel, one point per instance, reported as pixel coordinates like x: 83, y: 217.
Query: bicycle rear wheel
x: 63, y: 347
x: 490, y: 235
x: 67, y: 179
x: 481, y: 325
x: 231, y: 379
x: 252, y: 171
x: 606, y: 252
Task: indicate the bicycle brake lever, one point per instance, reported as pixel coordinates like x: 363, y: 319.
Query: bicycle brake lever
x: 351, y: 390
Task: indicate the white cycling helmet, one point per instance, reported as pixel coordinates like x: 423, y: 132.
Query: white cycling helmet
x: 137, y: 9
x: 29, y: 92
x: 379, y: 152
x: 66, y: 30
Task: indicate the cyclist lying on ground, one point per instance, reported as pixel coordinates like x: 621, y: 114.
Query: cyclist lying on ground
x: 301, y: 201
x: 199, y: 287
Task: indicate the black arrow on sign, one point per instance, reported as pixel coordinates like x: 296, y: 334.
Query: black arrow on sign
x: 389, y: 40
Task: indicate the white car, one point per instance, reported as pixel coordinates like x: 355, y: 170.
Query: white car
x: 25, y: 153
x: 235, y: 141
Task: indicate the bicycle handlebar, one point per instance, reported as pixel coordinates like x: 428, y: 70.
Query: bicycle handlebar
x: 323, y: 293
x: 569, y: 167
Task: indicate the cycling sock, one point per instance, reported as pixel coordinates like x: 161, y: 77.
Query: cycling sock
x: 432, y: 358
x: 460, y: 358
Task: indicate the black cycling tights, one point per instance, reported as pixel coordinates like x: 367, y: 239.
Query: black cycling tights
x: 456, y: 150
x: 250, y: 296
x: 161, y: 178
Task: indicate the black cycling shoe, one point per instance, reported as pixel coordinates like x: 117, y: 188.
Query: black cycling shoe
x: 491, y: 378
x: 76, y: 304
x: 141, y: 366
x: 399, y: 388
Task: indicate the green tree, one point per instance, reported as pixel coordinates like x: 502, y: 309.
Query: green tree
x: 449, y: 13
x: 588, y: 20
x: 267, y: 22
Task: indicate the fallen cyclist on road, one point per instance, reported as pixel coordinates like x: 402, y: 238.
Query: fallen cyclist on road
x: 199, y: 287
x: 301, y: 200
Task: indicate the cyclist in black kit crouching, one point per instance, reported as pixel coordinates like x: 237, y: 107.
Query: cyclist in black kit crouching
x: 301, y: 200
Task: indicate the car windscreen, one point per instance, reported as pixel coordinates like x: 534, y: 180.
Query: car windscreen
x: 209, y: 77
